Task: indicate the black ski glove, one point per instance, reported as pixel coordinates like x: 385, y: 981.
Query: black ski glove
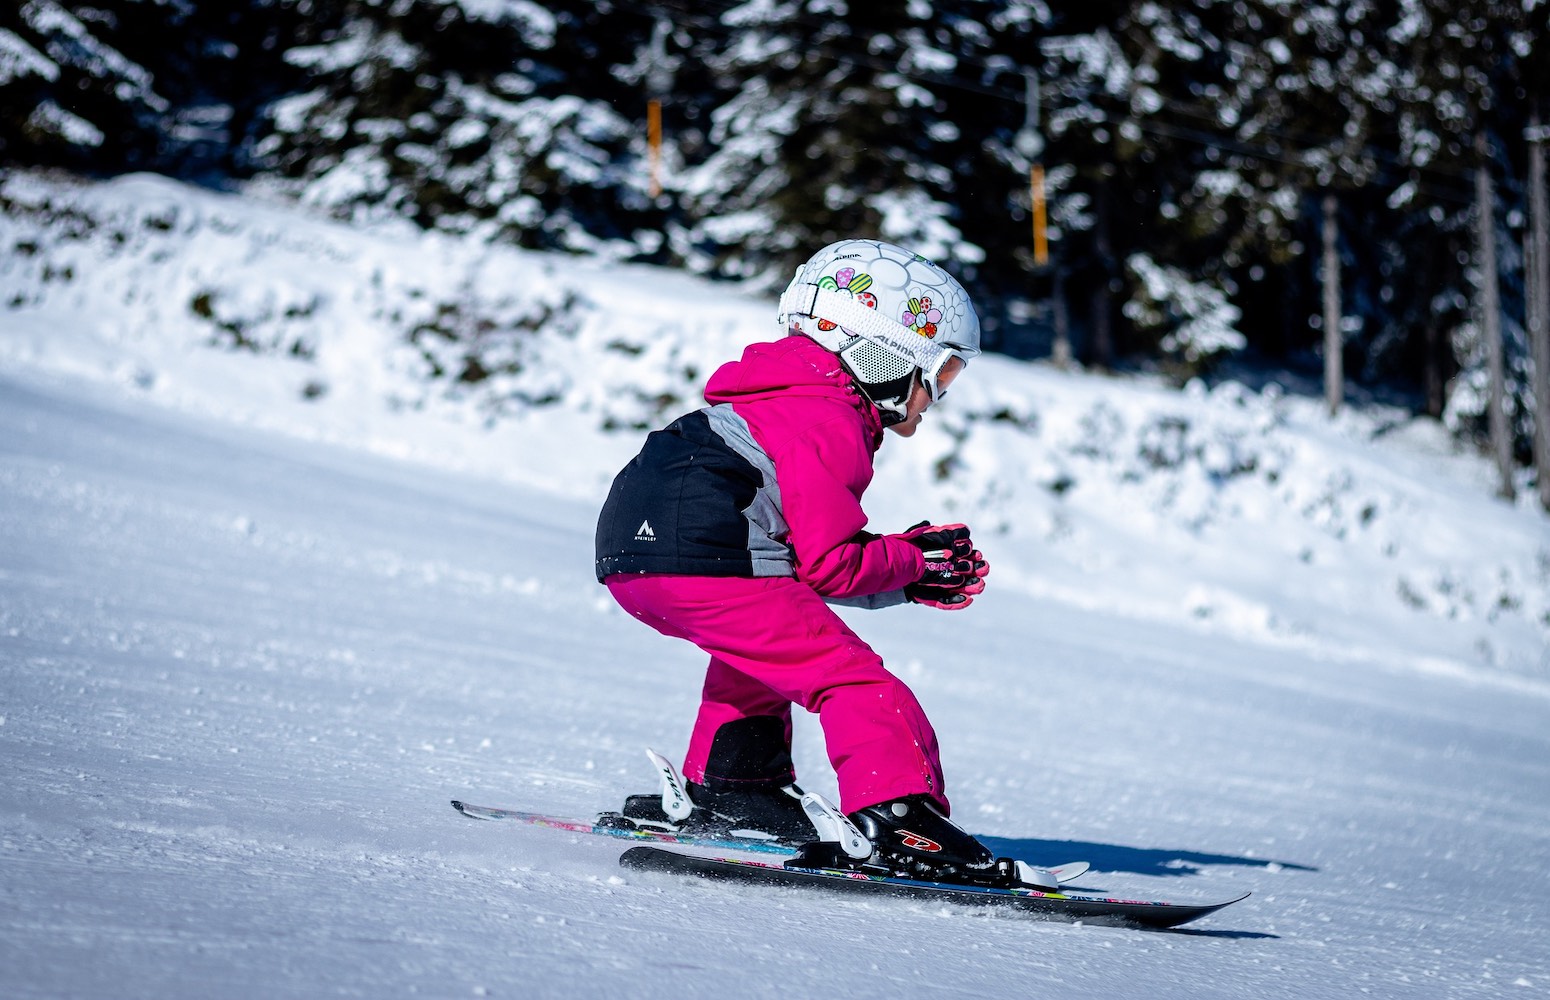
x: 955, y: 570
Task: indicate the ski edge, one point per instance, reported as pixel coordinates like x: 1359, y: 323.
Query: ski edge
x: 1070, y: 906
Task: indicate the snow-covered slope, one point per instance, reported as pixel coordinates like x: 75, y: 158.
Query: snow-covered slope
x: 1242, y: 513
x: 264, y: 610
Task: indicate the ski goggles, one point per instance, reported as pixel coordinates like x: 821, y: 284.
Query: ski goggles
x: 942, y: 372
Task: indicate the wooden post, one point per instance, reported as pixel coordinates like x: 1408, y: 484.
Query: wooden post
x: 1101, y: 343
x: 1490, y: 314
x: 1334, y: 342
x: 1061, y: 352
x: 1537, y: 280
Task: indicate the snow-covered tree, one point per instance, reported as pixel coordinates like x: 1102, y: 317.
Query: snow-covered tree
x: 69, y: 95
x: 104, y: 86
x: 1470, y: 70
x: 1195, y: 324
x: 841, y: 120
x: 494, y: 116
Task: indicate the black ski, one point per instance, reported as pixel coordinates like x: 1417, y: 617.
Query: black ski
x: 1057, y: 905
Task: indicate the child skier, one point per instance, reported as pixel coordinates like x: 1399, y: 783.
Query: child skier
x: 737, y: 522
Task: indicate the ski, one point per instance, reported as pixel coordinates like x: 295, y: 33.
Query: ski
x: 1057, y: 905
x: 613, y: 825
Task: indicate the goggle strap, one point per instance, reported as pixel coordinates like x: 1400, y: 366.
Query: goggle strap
x: 841, y: 309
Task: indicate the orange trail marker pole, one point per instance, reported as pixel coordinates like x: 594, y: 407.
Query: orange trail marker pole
x: 1040, y: 220
x: 654, y: 141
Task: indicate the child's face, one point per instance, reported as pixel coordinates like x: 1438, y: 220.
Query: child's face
x: 920, y: 400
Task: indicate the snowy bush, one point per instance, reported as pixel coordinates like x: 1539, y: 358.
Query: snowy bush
x: 1195, y: 323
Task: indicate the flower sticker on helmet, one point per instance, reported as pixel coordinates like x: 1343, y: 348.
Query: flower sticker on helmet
x: 847, y: 280
x: 921, y: 316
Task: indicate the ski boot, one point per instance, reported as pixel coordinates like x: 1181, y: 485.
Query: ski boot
x: 911, y: 838
x: 762, y: 813
x: 757, y: 810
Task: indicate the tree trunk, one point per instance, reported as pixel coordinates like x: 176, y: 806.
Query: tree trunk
x: 1491, y: 319
x: 1537, y: 266
x: 1102, y: 345
x: 1436, y: 385
x: 1334, y: 343
x: 1062, y: 318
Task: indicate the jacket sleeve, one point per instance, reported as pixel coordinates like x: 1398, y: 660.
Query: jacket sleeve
x: 821, y: 479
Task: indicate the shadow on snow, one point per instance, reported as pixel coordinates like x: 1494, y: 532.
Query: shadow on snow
x: 1118, y: 858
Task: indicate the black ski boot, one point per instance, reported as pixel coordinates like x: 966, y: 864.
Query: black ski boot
x: 732, y: 809
x: 775, y: 810
x: 748, y: 788
x: 912, y: 838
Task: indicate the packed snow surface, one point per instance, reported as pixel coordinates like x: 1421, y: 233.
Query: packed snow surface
x: 295, y: 546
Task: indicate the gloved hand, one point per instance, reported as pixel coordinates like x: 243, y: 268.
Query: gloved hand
x: 955, y: 570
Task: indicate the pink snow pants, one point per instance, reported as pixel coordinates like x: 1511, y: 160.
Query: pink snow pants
x: 774, y: 642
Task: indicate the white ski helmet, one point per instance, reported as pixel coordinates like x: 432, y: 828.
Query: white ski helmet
x: 887, y: 312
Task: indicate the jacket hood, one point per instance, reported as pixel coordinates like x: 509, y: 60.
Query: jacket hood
x: 792, y: 366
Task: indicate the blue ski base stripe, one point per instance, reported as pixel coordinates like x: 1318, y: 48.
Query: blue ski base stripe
x: 1056, y: 905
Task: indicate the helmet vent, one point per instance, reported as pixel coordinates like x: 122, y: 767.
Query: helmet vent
x: 874, y: 364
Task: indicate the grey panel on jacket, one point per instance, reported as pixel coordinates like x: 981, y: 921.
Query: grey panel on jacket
x: 767, y: 528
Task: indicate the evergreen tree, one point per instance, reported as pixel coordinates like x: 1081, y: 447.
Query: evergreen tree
x: 70, y: 96
x: 107, y: 86
x: 1085, y: 80
x: 1141, y: 175
x: 839, y: 123
x: 495, y: 117
x: 1307, y: 85
x: 1462, y: 96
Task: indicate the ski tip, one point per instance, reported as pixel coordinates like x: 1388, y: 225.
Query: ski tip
x: 1171, y: 915
x: 1199, y: 910
x: 1228, y: 902
x: 458, y: 805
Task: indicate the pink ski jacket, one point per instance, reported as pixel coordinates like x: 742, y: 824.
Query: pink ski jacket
x: 765, y: 481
